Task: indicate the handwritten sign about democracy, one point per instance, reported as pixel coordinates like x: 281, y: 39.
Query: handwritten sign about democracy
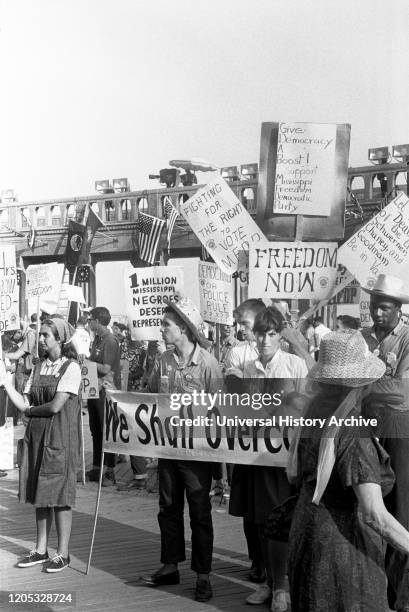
x: 89, y: 380
x: 145, y: 290
x: 221, y: 223
x: 305, y: 168
x: 216, y: 294
x: 298, y: 270
x: 43, y: 282
x: 9, y: 300
x: 381, y: 246
x: 145, y: 424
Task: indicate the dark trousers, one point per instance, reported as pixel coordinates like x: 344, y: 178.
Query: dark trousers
x: 96, y: 420
x: 194, y: 478
x: 138, y: 465
x: 252, y: 533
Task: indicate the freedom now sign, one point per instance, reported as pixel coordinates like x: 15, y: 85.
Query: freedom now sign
x: 144, y: 424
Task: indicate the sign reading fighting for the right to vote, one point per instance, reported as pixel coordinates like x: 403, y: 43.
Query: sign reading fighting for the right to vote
x: 43, y: 283
x: 296, y: 270
x: 216, y: 294
x: 9, y: 304
x: 145, y: 293
x: 381, y: 246
x: 305, y: 168
x: 221, y: 223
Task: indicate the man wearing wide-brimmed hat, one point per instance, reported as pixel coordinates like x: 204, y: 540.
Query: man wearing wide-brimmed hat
x: 188, y: 367
x: 389, y: 404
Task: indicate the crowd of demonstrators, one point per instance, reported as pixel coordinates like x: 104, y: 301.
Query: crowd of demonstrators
x: 337, y: 475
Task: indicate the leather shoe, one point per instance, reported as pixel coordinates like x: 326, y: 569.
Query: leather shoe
x: 161, y: 579
x: 203, y: 590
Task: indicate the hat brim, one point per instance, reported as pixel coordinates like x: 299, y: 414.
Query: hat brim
x: 401, y: 297
x: 369, y: 370
x: 199, y: 337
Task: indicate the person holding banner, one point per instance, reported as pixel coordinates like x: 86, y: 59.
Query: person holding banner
x: 340, y: 522
x: 186, y: 368
x: 388, y: 402
x: 51, y: 442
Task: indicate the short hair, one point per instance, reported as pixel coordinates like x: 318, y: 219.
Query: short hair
x: 102, y: 314
x: 268, y: 319
x: 317, y: 320
x: 348, y: 321
x: 253, y: 304
x: 82, y: 320
x: 177, y: 319
x: 33, y: 318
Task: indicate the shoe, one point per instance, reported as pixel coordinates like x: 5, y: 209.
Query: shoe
x: 279, y: 601
x: 216, y: 491
x: 203, y: 591
x: 57, y: 563
x: 260, y: 596
x: 33, y: 558
x: 108, y: 479
x: 93, y: 475
x: 137, y: 484
x: 257, y: 574
x: 161, y: 579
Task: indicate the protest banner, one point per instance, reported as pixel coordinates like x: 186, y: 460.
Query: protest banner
x: 9, y: 293
x: 221, y: 223
x: 144, y: 424
x: 89, y: 380
x: 305, y: 168
x: 145, y: 290
x: 43, y: 283
x: 216, y: 294
x: 295, y: 270
x: 381, y: 246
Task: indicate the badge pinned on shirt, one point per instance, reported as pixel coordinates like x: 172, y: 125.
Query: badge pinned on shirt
x: 188, y: 377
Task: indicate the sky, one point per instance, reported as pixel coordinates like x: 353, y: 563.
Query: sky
x: 96, y: 89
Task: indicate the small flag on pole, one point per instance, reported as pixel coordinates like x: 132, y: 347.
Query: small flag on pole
x: 171, y: 214
x: 149, y: 230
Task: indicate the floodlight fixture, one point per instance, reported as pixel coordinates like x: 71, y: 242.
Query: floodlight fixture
x: 249, y: 171
x: 230, y: 173
x: 401, y: 153
x: 8, y: 196
x: 379, y: 155
x: 103, y: 186
x: 120, y: 185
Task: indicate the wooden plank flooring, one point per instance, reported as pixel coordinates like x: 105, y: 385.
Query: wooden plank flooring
x: 127, y: 545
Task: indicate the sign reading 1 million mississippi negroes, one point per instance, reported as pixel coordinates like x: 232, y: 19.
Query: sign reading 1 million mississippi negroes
x: 221, y: 223
x: 305, y: 168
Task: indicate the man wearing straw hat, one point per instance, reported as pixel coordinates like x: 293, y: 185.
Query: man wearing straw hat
x: 388, y: 402
x: 186, y: 368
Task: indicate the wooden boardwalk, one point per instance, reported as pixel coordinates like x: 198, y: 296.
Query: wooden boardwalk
x: 126, y: 546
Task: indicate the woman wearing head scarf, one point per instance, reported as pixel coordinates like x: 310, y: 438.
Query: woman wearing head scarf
x: 340, y: 524
x: 51, y: 441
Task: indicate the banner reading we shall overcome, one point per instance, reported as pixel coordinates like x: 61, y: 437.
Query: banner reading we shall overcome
x: 145, y: 424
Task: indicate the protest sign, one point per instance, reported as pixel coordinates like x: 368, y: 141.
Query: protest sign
x: 221, y: 223
x: 43, y: 282
x: 364, y: 313
x: 145, y: 425
x: 305, y: 168
x: 9, y: 293
x: 294, y: 270
x: 216, y: 294
x: 145, y: 290
x: 381, y: 246
x: 89, y: 380
x: 75, y: 294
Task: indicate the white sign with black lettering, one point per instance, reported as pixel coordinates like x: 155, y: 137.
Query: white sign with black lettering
x: 381, y: 246
x: 305, y: 169
x: 216, y: 294
x: 43, y: 282
x: 297, y: 270
x: 89, y: 377
x: 9, y: 300
x: 221, y: 223
x: 145, y: 290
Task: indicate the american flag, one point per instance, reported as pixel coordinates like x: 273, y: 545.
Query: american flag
x: 149, y: 230
x: 171, y: 214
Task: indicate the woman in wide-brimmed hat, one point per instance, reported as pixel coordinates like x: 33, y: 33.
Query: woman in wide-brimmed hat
x: 336, y: 559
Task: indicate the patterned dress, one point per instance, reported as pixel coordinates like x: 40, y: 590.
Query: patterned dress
x: 336, y: 562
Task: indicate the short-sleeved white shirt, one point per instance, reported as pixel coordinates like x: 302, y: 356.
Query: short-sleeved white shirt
x: 282, y: 365
x: 70, y: 381
x: 238, y: 357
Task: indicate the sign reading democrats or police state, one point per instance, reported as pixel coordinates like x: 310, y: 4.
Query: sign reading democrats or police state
x: 216, y: 294
x: 298, y: 270
x: 145, y: 290
x: 381, y: 246
x: 156, y: 425
x: 9, y: 303
x: 221, y: 223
